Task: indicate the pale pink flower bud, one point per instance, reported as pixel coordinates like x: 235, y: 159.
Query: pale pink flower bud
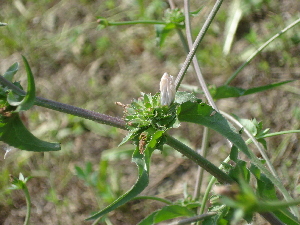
x: 167, y: 89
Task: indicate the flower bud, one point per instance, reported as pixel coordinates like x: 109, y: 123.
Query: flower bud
x: 167, y: 89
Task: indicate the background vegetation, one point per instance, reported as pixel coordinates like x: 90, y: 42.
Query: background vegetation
x: 76, y: 62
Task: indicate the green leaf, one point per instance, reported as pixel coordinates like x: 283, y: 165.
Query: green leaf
x: 205, y: 115
x: 250, y: 125
x: 155, y: 139
x: 129, y: 136
x: 80, y: 173
x: 265, y: 188
x: 240, y: 171
x: 162, y: 30
x: 234, y: 153
x: 12, y: 70
x: 14, y: 133
x: 142, y: 182
x: 172, y: 211
x: 28, y: 100
x: 166, y: 213
x: 227, y: 91
x: 266, y: 87
x: 196, y: 12
x: 285, y: 216
x: 149, y: 219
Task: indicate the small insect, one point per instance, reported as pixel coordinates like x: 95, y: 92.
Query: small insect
x: 213, y: 113
x: 142, y: 142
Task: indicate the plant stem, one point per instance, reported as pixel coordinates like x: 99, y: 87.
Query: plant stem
x: 171, y: 3
x: 208, y: 189
x: 28, y: 204
x: 84, y: 113
x: 65, y: 108
x: 279, y: 133
x: 194, y: 59
x: 260, y: 49
x: 179, y: 31
x: 194, y: 156
x: 200, y: 172
x: 196, y: 43
x: 183, y: 40
x: 271, y: 218
x: 135, y: 22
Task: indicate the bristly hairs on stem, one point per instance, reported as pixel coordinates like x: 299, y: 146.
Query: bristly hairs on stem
x: 197, y: 42
x: 69, y: 109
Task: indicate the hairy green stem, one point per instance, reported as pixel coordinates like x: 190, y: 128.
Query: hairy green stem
x: 260, y: 49
x: 84, y: 113
x: 279, y: 133
x: 28, y: 204
x: 194, y: 156
x: 135, y: 22
x: 65, y: 108
x: 196, y: 43
x: 194, y: 59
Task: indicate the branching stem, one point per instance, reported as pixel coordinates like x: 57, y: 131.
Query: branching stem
x: 28, y: 204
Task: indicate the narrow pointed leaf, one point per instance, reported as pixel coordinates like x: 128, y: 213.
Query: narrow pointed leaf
x: 265, y: 87
x: 14, y: 133
x: 227, y: 91
x: 28, y: 101
x: 12, y: 70
x: 162, y: 30
x: 138, y: 187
